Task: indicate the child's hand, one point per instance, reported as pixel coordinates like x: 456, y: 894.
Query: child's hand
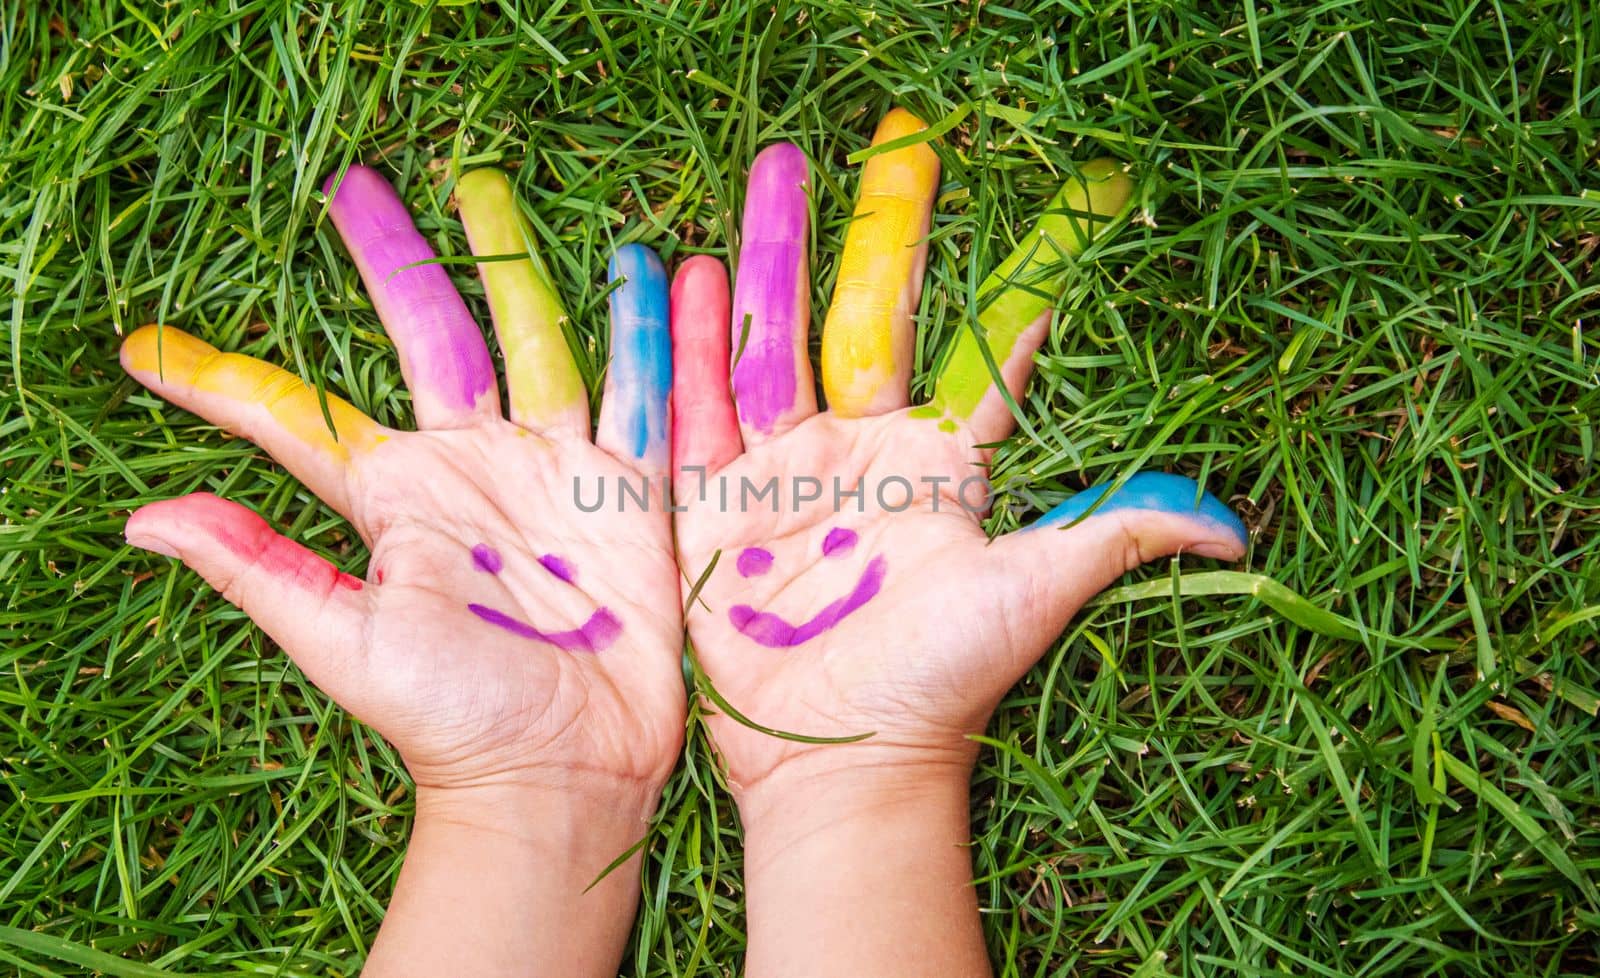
x: 888, y: 612
x: 501, y: 633
x: 523, y: 655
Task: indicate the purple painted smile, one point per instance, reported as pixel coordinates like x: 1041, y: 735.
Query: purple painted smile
x: 773, y: 631
x: 595, y: 635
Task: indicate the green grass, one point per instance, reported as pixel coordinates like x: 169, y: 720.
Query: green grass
x: 1358, y: 298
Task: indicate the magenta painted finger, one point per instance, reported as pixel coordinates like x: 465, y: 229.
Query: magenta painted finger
x: 772, y: 379
x: 441, y: 348
x: 705, y: 429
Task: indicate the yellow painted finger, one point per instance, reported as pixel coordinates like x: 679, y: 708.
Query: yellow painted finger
x: 546, y: 388
x: 266, y: 404
x: 868, y: 340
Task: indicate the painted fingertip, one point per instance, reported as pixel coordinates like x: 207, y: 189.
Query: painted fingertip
x: 705, y: 429
x: 1160, y: 492
x: 701, y: 278
x: 1025, y: 286
x: 776, y: 194
x: 232, y: 390
x: 138, y: 533
x: 163, y: 350
x: 641, y: 352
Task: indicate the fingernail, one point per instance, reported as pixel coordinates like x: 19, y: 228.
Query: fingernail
x: 1218, y: 550
x: 151, y: 542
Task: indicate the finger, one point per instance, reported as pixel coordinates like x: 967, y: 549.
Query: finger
x: 266, y: 404
x: 868, y: 339
x: 635, y: 421
x: 442, y: 353
x: 705, y: 429
x: 1016, y: 299
x: 315, y: 612
x: 773, y: 386
x: 545, y: 387
x: 1083, y: 545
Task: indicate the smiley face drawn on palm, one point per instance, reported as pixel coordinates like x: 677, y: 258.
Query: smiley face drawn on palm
x: 772, y: 630
x: 499, y: 627
x: 895, y: 616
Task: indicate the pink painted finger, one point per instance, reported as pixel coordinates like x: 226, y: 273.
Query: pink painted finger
x: 314, y: 611
x: 773, y: 386
x: 705, y: 428
x: 441, y: 348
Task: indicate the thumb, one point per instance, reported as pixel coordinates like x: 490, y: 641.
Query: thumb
x: 314, y: 611
x: 1068, y: 557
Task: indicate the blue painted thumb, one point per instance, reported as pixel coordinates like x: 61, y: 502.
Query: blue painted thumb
x: 1098, y: 535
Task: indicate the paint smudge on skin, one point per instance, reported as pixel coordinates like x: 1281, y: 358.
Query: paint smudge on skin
x: 770, y: 291
x: 560, y: 568
x: 754, y: 561
x: 839, y: 542
x: 639, y: 380
x: 774, y: 632
x: 487, y: 559
x: 595, y: 635
x: 1159, y: 491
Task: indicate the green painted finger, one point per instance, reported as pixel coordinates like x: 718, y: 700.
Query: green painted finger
x: 546, y: 389
x: 1016, y: 300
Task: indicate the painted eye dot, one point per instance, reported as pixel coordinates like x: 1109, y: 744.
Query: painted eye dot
x: 558, y: 567
x: 754, y: 561
x: 838, y: 542
x: 487, y: 559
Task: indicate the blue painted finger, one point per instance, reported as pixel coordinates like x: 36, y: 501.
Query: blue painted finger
x: 1160, y: 492
x: 635, y: 418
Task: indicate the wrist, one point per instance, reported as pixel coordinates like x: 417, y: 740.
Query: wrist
x: 577, y: 822
x: 862, y: 774
x: 506, y: 879
x: 836, y: 799
x: 876, y: 847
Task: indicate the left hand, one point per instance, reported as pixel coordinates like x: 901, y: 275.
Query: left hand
x: 502, y: 636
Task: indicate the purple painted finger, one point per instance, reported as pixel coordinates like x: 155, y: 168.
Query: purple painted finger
x: 772, y: 380
x: 442, y: 353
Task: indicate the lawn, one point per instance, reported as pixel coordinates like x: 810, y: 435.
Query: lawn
x: 1357, y: 298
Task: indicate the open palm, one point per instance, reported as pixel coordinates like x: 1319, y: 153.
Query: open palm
x: 502, y: 634
x: 863, y: 596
